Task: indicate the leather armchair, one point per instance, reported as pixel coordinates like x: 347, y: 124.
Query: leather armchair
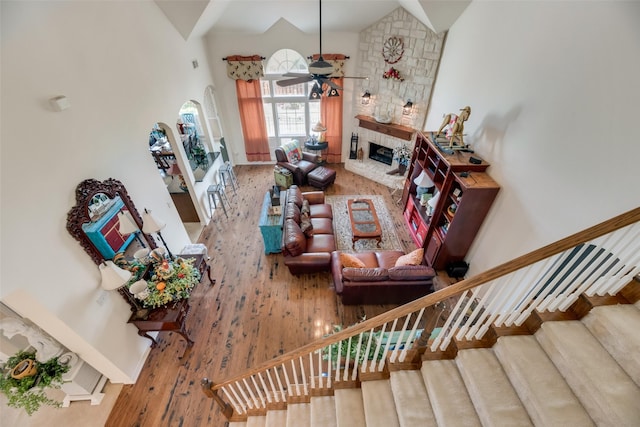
x: 299, y: 170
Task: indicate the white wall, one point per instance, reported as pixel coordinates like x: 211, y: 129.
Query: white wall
x: 282, y: 35
x: 554, y: 96
x: 123, y: 67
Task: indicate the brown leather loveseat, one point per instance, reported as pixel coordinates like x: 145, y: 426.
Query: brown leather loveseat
x: 377, y: 279
x: 307, y: 243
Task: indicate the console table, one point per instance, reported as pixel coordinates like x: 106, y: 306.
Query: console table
x: 172, y: 317
x: 271, y: 225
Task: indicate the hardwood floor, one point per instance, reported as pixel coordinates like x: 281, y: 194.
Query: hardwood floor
x: 257, y: 310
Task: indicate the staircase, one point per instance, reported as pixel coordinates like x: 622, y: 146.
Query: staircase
x: 569, y: 373
x: 551, y: 338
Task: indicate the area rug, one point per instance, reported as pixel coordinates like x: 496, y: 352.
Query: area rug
x: 342, y: 225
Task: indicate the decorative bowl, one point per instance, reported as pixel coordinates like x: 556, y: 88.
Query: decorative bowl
x: 386, y: 119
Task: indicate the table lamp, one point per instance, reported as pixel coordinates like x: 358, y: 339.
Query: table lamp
x: 433, y: 202
x: 152, y: 225
x: 115, y: 278
x: 127, y: 226
x: 423, y: 182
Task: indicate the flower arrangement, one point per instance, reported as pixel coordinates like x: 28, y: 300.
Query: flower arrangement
x: 402, y: 154
x: 393, y: 74
x: 26, y: 388
x: 170, y: 281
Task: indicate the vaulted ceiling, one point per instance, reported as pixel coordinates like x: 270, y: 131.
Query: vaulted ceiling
x: 196, y: 18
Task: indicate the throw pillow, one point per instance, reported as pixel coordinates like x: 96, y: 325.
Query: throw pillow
x: 412, y: 258
x: 305, y: 207
x: 350, y: 261
x: 293, y: 151
x: 306, y: 226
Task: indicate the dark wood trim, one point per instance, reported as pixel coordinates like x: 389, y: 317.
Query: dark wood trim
x: 396, y: 131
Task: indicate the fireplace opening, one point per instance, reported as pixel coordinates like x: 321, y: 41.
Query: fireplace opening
x: 380, y: 153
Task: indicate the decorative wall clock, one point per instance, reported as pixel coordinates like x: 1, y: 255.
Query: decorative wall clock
x: 393, y: 49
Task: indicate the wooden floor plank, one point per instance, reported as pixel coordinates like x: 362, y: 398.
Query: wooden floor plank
x: 257, y: 310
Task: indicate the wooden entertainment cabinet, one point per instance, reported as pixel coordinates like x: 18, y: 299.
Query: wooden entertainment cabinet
x: 467, y: 194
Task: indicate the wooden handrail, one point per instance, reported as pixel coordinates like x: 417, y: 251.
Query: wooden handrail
x: 525, y: 260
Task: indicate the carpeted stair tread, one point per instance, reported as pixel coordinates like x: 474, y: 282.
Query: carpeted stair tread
x: 540, y: 387
x: 495, y: 400
x: 617, y: 327
x: 257, y: 421
x: 323, y: 411
x: 452, y: 406
x: 411, y: 400
x: 604, y: 389
x: 349, y: 407
x: 238, y: 424
x: 299, y: 415
x: 380, y: 411
x: 276, y: 418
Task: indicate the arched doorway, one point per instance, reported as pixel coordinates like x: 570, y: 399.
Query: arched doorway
x: 174, y: 172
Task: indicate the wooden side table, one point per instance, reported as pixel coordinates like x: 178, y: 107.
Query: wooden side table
x: 170, y: 317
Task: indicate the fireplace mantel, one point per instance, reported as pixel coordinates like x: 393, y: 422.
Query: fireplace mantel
x: 397, y: 131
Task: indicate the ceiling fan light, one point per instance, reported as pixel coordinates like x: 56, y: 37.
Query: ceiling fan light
x: 333, y: 92
x: 316, y: 91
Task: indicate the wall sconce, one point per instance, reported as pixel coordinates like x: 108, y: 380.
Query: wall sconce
x: 406, y: 109
x: 366, y: 97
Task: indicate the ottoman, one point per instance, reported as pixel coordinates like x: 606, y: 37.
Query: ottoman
x: 321, y: 177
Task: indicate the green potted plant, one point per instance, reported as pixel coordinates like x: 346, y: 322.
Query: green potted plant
x: 341, y: 348
x: 25, y: 380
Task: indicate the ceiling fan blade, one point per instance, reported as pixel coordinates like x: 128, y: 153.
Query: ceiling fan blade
x: 330, y: 83
x: 294, y: 81
x: 295, y: 74
x: 359, y: 78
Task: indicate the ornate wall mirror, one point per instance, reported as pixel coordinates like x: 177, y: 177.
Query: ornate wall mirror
x: 95, y: 223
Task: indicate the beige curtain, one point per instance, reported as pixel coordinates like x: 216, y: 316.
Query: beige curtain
x: 247, y: 68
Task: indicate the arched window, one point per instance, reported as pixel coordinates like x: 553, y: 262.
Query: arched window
x: 289, y: 113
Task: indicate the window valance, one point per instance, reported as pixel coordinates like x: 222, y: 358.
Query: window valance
x: 245, y: 68
x: 337, y: 60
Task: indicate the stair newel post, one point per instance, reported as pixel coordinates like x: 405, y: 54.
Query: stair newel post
x: 207, y: 387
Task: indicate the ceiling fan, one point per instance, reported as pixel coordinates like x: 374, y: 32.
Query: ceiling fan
x: 319, y: 70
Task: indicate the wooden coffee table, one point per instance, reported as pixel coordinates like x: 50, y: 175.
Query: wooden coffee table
x: 364, y: 220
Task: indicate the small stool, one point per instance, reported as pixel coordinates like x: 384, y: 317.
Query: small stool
x: 227, y: 176
x: 321, y: 177
x: 216, y: 193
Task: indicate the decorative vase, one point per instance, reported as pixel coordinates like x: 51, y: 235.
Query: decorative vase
x: 26, y: 368
x: 402, y: 169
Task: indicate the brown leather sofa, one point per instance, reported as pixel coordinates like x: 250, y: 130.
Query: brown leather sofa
x: 311, y: 252
x: 380, y: 282
x: 301, y: 169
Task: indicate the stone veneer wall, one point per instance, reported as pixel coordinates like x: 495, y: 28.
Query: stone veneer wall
x: 418, y: 66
